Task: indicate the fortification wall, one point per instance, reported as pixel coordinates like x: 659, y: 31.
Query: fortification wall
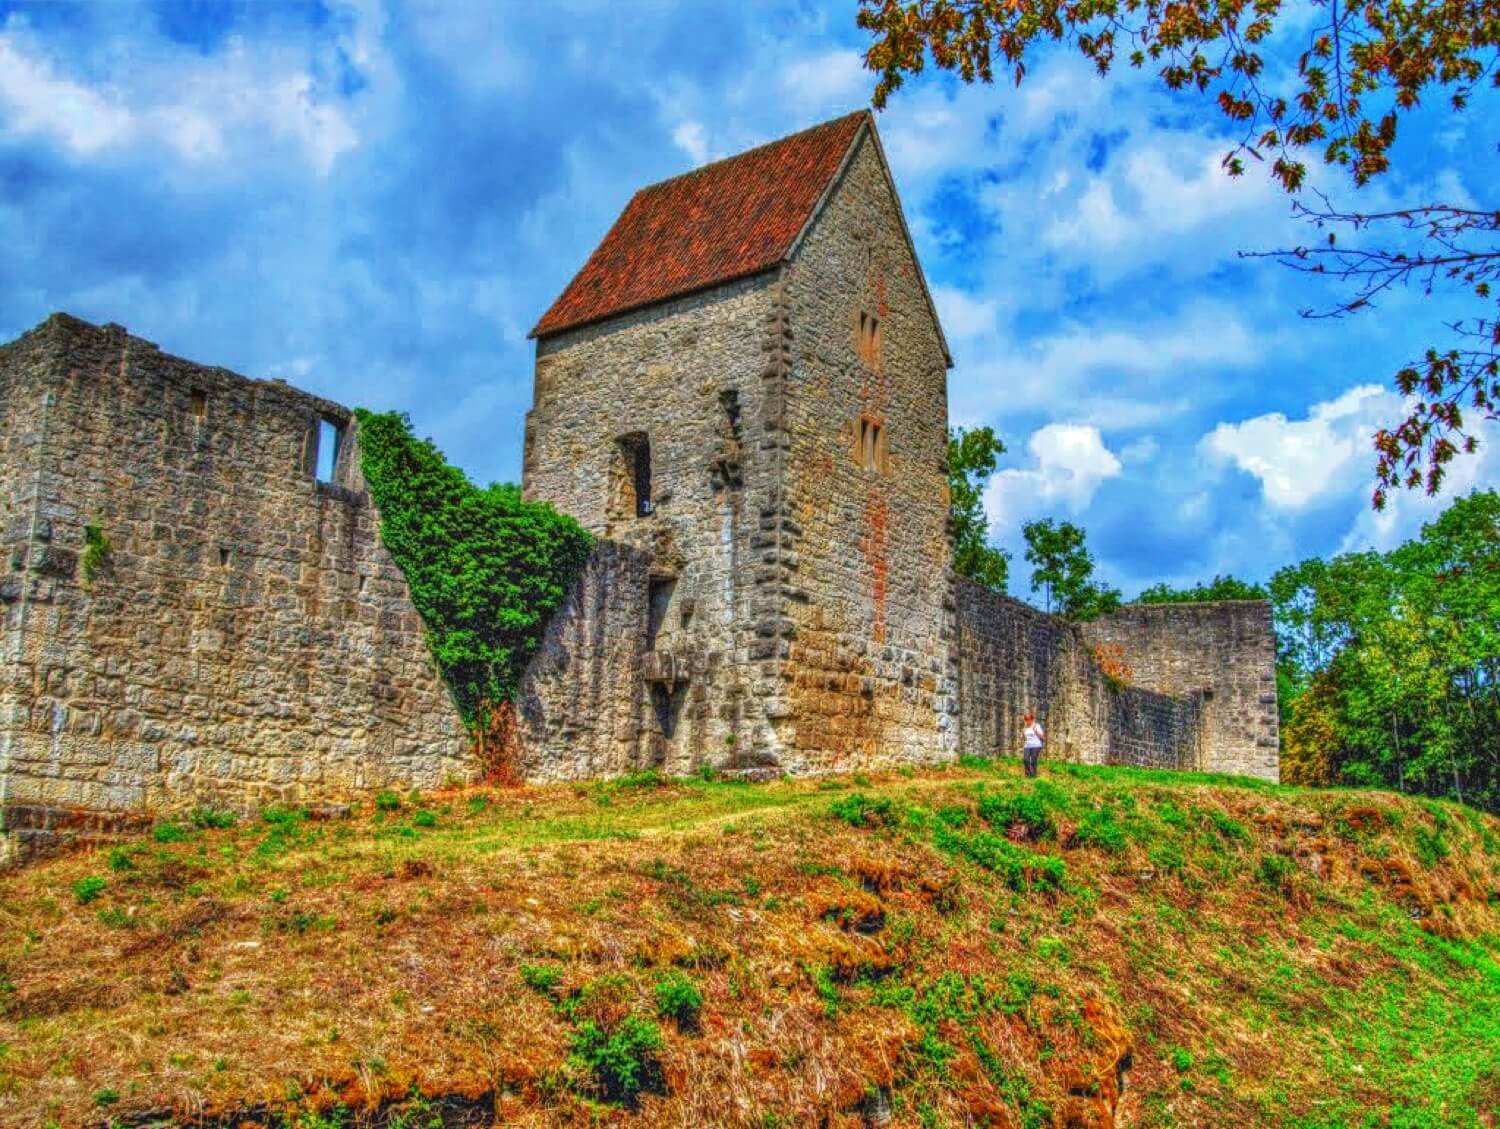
x: 1225, y: 654
x: 1013, y: 657
x: 583, y: 696
x: 247, y: 641
x: 864, y: 552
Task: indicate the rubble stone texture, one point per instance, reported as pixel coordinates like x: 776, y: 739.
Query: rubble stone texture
x: 246, y: 641
x: 763, y: 459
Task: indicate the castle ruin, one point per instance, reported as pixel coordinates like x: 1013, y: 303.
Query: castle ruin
x: 743, y: 393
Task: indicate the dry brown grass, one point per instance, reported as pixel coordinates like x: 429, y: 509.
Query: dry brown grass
x: 242, y: 975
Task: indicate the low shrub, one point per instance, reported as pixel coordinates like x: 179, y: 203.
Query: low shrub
x: 169, y: 832
x: 1025, y: 809
x: 678, y: 999
x: 624, y: 1060
x: 859, y: 810
x: 210, y: 818
x: 1100, y: 828
x: 88, y: 889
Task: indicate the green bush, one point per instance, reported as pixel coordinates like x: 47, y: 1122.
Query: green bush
x: 88, y: 889
x: 486, y: 569
x: 540, y: 978
x: 425, y: 818
x: 1101, y: 829
x: 387, y: 801
x: 169, y: 832
x: 859, y: 810
x: 624, y: 1060
x: 1028, y: 808
x: 678, y: 999
x: 206, y: 818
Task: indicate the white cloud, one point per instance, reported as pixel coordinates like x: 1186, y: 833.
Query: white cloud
x: 964, y: 316
x: 1300, y: 462
x: 1071, y: 461
x: 1110, y: 376
x: 187, y: 103
x: 828, y: 78
x: 690, y: 139
x: 38, y: 100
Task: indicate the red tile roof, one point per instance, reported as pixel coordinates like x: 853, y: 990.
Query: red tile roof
x: 727, y: 220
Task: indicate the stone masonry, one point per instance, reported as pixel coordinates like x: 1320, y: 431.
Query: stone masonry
x: 743, y: 394
x: 247, y: 639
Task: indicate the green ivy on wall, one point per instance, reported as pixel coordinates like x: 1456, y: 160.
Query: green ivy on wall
x: 486, y: 569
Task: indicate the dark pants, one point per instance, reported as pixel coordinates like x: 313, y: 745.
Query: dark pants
x: 1029, y: 758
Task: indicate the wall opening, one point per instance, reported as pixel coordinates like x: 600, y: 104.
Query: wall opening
x: 660, y: 604
x: 867, y: 341
x: 630, y: 477
x: 330, y: 439
x: 666, y: 701
x: 199, y: 400
x: 871, y: 444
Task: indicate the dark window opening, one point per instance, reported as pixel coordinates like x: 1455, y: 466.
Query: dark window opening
x: 330, y: 439
x: 634, y: 475
x: 223, y: 558
x: 200, y: 404
x: 660, y: 602
x: 667, y: 704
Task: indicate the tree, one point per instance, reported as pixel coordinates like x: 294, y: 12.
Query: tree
x: 1219, y: 588
x: 972, y: 457
x: 1360, y: 69
x: 1063, y: 568
x: 1391, y: 661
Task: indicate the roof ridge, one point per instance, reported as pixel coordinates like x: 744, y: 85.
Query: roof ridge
x: 753, y: 150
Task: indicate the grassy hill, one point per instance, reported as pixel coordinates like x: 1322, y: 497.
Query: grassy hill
x: 944, y: 948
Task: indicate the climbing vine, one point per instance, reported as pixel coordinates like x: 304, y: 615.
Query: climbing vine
x: 486, y: 569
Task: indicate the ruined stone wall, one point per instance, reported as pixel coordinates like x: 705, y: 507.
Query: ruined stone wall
x: 863, y: 547
x: 583, y: 695
x: 1013, y: 657
x: 248, y: 641
x: 1224, y: 652
x: 688, y: 377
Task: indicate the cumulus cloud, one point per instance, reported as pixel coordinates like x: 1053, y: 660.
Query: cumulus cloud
x: 192, y: 106
x: 1300, y: 462
x: 1070, y: 461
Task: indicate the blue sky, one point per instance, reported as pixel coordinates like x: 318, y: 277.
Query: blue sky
x: 376, y: 201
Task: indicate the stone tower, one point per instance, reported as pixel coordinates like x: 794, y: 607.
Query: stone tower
x: 747, y: 383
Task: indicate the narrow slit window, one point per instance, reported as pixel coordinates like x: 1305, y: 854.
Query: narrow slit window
x: 200, y: 405
x: 871, y: 436
x: 868, y: 344
x: 330, y: 439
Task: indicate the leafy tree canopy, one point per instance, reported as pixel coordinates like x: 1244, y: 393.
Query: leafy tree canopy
x: 1063, y: 569
x: 972, y: 458
x: 1219, y: 588
x: 1328, y: 84
x: 1391, y: 661
x: 486, y: 570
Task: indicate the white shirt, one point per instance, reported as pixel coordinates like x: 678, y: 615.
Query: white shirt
x: 1034, y: 735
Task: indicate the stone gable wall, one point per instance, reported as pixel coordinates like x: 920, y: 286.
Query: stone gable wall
x: 250, y: 640
x: 865, y: 550
x: 691, y: 375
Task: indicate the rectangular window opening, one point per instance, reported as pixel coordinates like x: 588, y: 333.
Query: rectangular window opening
x: 200, y: 404
x: 330, y: 439
x: 632, y: 490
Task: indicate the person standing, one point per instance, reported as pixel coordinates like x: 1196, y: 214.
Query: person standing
x: 1035, y: 736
